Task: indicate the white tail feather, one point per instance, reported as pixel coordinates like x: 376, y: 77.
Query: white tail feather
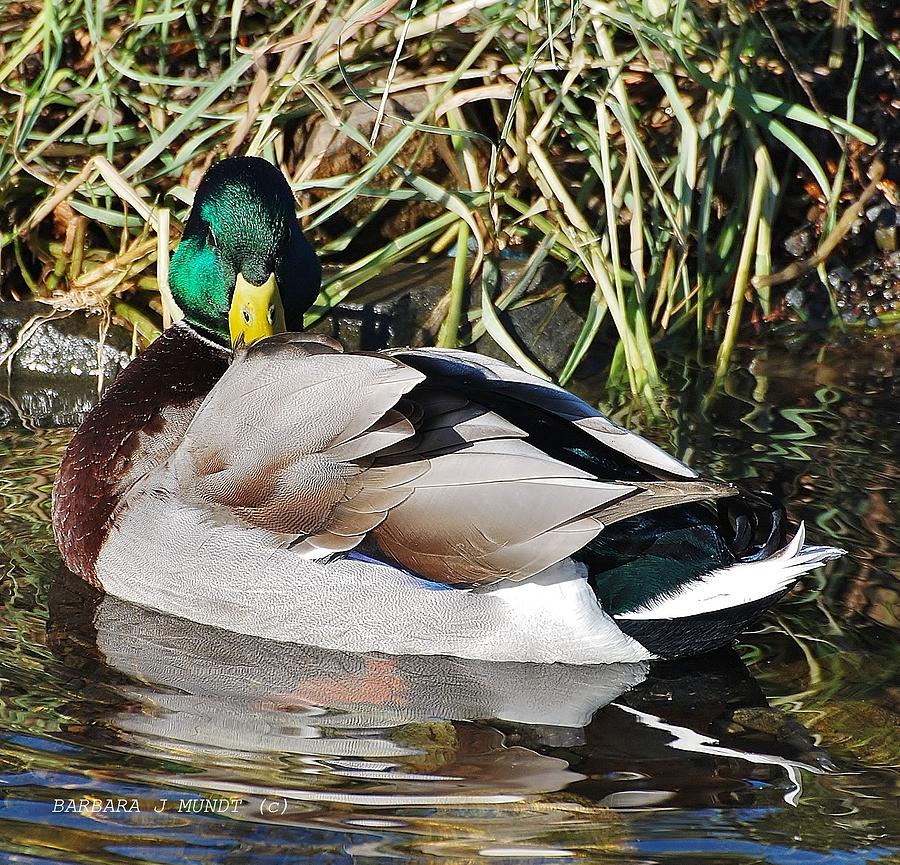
x: 740, y: 583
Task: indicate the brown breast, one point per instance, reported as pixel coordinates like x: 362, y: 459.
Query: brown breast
x: 135, y: 427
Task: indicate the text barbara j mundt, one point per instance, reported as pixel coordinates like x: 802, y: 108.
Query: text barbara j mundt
x: 136, y: 806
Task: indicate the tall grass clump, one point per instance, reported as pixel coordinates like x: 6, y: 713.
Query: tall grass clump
x: 646, y: 146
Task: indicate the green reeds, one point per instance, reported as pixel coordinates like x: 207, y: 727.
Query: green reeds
x: 637, y: 143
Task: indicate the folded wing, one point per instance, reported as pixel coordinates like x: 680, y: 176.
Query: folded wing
x: 431, y: 454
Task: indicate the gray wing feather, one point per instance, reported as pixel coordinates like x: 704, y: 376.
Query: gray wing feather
x: 552, y: 398
x: 322, y: 448
x: 282, y: 439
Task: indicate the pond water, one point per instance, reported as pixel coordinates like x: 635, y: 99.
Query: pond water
x: 183, y: 744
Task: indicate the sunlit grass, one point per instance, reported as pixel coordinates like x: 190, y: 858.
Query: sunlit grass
x: 646, y: 146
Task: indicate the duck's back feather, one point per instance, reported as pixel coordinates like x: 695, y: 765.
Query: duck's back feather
x: 560, y: 421
x: 457, y: 474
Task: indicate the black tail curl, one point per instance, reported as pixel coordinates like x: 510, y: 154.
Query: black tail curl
x: 753, y: 525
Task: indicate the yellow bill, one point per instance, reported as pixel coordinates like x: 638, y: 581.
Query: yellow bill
x: 256, y: 311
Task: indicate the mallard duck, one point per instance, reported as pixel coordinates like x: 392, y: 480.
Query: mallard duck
x: 244, y: 475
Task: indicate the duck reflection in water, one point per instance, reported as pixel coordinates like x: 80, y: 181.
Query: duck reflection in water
x: 262, y: 719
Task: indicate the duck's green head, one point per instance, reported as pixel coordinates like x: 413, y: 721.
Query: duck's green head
x: 243, y: 269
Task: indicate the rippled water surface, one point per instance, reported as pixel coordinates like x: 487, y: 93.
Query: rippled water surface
x: 184, y: 744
